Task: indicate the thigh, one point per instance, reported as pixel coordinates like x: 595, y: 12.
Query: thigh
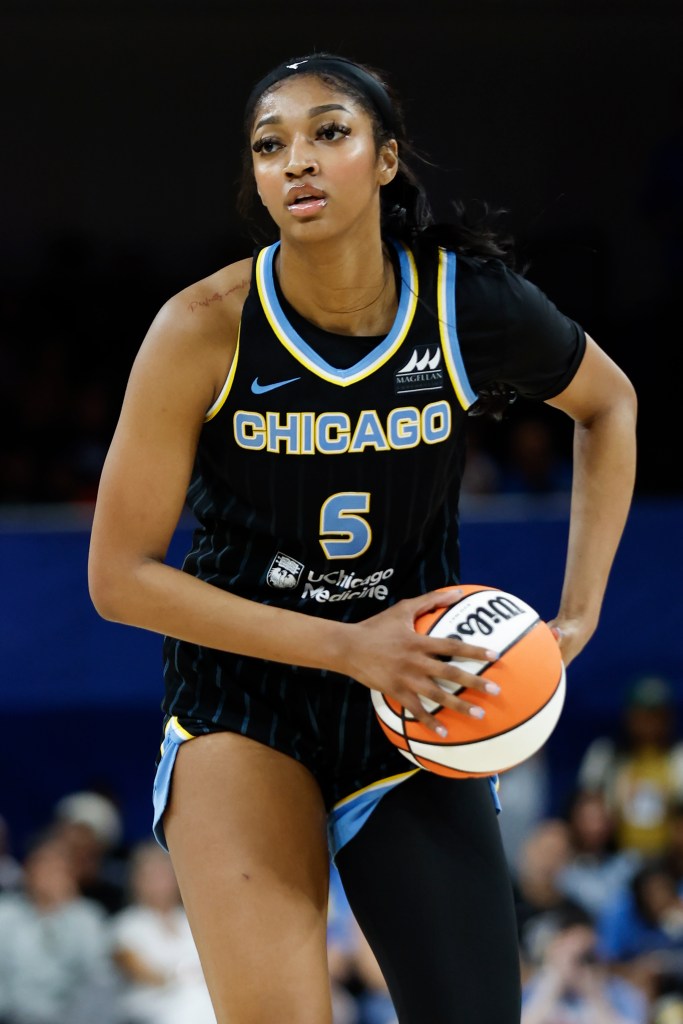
x: 245, y: 828
x: 428, y: 882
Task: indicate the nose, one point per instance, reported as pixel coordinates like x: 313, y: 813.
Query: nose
x: 301, y: 158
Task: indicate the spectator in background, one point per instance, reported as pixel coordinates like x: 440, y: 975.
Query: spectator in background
x: 640, y: 773
x: 10, y: 868
x: 90, y: 826
x: 54, y: 957
x: 570, y: 986
x: 525, y: 793
x: 673, y: 851
x: 596, y: 871
x: 538, y: 897
x: 154, y: 950
x: 668, y: 1009
x: 641, y: 932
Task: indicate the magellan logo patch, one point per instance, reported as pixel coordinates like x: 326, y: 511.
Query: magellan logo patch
x: 285, y: 572
x: 422, y: 372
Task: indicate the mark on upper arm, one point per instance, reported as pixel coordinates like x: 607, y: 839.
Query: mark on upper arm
x: 217, y: 296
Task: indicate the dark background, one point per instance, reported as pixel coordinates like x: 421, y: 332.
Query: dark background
x: 121, y: 146
x: 122, y: 136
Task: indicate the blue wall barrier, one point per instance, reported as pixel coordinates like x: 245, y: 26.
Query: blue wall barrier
x: 80, y: 696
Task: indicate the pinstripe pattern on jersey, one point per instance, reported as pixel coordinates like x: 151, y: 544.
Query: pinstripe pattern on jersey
x: 306, y: 355
x: 225, y: 390
x: 252, y: 504
x: 448, y: 329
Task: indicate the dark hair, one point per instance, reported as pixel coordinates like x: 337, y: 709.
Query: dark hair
x: 406, y: 212
x: 654, y: 868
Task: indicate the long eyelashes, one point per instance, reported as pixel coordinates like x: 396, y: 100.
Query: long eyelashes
x: 328, y: 132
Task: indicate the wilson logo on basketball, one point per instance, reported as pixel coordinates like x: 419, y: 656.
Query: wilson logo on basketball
x: 484, y: 619
x: 422, y: 372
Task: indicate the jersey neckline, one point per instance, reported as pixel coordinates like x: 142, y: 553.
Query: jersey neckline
x: 305, y: 354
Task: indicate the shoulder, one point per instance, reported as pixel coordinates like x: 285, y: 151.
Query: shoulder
x: 193, y: 337
x: 502, y: 292
x: 492, y: 293
x: 12, y: 906
x: 128, y: 923
x: 511, y: 332
x: 210, y: 306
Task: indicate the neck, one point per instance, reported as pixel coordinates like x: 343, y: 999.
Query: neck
x: 344, y: 288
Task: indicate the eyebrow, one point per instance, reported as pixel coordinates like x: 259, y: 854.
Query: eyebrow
x: 313, y: 112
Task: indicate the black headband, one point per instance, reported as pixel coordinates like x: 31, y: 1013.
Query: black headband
x: 373, y: 90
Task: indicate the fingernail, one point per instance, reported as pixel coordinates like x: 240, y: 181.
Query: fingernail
x: 442, y: 731
x: 476, y: 712
x: 492, y: 687
x: 492, y: 655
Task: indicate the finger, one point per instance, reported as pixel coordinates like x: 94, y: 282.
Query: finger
x: 455, y: 702
x: 443, y: 598
x: 455, y: 676
x: 412, y: 703
x: 450, y: 647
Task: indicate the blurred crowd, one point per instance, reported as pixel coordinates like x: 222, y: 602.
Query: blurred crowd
x: 93, y: 930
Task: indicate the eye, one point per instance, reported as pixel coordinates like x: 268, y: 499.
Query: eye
x: 332, y: 131
x: 265, y: 145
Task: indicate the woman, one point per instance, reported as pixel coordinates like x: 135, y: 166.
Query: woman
x: 320, y: 392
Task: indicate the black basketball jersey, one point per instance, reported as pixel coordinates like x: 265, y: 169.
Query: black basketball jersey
x: 334, y: 490
x: 327, y: 481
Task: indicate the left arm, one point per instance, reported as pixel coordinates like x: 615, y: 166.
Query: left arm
x: 602, y: 402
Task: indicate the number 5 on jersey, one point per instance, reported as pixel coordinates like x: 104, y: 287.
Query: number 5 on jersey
x: 349, y: 534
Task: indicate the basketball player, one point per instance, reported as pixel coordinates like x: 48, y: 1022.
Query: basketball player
x: 314, y: 400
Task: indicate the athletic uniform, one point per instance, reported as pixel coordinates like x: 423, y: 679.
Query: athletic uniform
x: 327, y: 482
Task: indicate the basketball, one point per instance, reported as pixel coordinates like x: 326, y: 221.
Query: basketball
x: 518, y: 721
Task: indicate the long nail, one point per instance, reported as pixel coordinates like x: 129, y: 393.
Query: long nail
x: 442, y: 731
x: 492, y: 688
x: 476, y: 711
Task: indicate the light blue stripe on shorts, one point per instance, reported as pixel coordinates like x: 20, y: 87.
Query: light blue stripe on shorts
x: 349, y: 815
x: 174, y: 737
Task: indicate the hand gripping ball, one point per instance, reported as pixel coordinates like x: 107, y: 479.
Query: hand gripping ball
x: 518, y: 721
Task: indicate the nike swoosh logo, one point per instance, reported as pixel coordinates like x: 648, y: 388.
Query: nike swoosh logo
x: 260, y: 389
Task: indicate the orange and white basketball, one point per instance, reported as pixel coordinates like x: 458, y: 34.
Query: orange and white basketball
x: 518, y: 721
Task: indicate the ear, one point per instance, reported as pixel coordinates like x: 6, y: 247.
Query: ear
x: 387, y: 162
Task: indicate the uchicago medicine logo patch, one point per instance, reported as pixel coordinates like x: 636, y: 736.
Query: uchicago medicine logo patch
x: 285, y: 572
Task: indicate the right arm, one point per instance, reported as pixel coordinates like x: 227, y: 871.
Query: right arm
x: 176, y: 376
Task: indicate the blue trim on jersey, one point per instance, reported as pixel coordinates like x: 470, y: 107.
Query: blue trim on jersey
x: 301, y: 350
x: 449, y: 331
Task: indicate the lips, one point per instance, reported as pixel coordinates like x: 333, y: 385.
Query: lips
x: 305, y: 198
